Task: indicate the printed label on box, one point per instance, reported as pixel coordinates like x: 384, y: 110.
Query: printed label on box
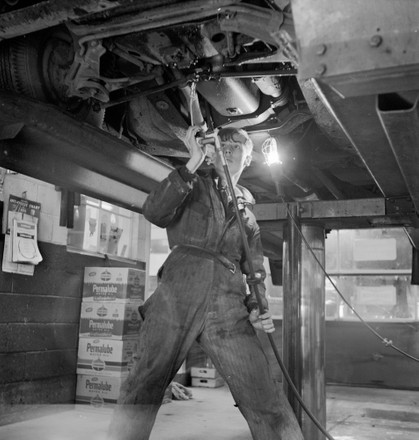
x: 98, y: 390
x: 105, y: 356
x: 115, y: 320
x: 113, y: 284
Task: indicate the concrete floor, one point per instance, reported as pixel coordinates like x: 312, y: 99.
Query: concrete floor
x: 352, y: 414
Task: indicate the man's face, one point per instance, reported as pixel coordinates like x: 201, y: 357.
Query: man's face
x: 236, y: 154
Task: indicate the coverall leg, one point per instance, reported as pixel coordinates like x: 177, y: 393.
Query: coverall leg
x: 231, y: 342
x: 199, y: 299
x: 173, y: 319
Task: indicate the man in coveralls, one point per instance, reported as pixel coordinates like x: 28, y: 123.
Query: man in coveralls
x: 202, y: 296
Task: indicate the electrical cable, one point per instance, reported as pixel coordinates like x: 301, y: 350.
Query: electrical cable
x: 385, y: 341
x: 258, y: 295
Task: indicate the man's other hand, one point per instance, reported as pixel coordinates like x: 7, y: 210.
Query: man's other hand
x: 262, y: 322
x: 196, y: 152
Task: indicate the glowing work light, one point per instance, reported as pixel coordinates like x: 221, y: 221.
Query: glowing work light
x: 270, y: 151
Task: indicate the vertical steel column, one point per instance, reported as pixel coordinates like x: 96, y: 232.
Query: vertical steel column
x: 291, y: 322
x: 313, y: 389
x: 304, y: 321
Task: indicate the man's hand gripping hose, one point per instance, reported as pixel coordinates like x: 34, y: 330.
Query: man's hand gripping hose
x: 254, y: 288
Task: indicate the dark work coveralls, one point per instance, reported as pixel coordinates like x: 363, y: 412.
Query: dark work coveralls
x: 201, y: 297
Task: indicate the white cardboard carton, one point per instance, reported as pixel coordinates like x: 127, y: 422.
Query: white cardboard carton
x: 115, y: 320
x: 206, y: 373
x: 105, y: 357
x: 113, y: 284
x: 207, y: 383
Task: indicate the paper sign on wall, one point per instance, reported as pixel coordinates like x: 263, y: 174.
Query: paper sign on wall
x: 22, y: 254
x: 25, y: 245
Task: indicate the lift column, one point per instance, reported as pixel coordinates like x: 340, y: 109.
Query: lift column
x: 304, y: 320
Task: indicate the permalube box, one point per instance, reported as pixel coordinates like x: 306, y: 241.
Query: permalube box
x: 98, y: 390
x: 105, y: 356
x: 115, y: 320
x: 113, y: 284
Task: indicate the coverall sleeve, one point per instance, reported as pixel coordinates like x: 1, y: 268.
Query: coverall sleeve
x: 256, y: 252
x: 162, y: 204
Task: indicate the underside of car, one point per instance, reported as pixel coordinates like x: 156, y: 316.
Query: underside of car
x: 335, y: 83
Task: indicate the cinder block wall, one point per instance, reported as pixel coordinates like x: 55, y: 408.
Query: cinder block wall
x: 39, y: 315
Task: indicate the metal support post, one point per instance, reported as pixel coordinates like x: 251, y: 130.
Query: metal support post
x: 291, y: 315
x: 304, y: 321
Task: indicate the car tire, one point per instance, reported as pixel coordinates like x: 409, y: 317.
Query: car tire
x: 36, y: 66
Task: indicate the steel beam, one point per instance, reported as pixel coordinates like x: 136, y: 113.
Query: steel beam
x: 340, y: 214
x: 359, y: 120
x: 51, y: 13
x: 322, y: 209
x: 48, y: 144
x: 312, y: 331
x: 291, y: 324
x: 41, y: 164
x: 304, y: 321
x: 402, y: 130
x: 158, y: 17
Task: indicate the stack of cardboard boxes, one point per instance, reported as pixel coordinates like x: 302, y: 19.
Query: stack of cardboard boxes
x: 207, y: 376
x: 109, y: 326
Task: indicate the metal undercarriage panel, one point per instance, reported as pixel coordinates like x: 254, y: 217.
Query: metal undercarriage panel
x: 335, y: 82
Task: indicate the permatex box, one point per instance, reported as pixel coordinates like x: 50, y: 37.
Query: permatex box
x: 105, y: 356
x: 114, y: 320
x: 113, y: 284
x: 98, y: 390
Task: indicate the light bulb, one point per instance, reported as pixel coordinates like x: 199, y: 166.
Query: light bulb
x: 270, y: 151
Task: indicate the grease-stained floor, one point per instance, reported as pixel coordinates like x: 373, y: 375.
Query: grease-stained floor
x: 352, y: 414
